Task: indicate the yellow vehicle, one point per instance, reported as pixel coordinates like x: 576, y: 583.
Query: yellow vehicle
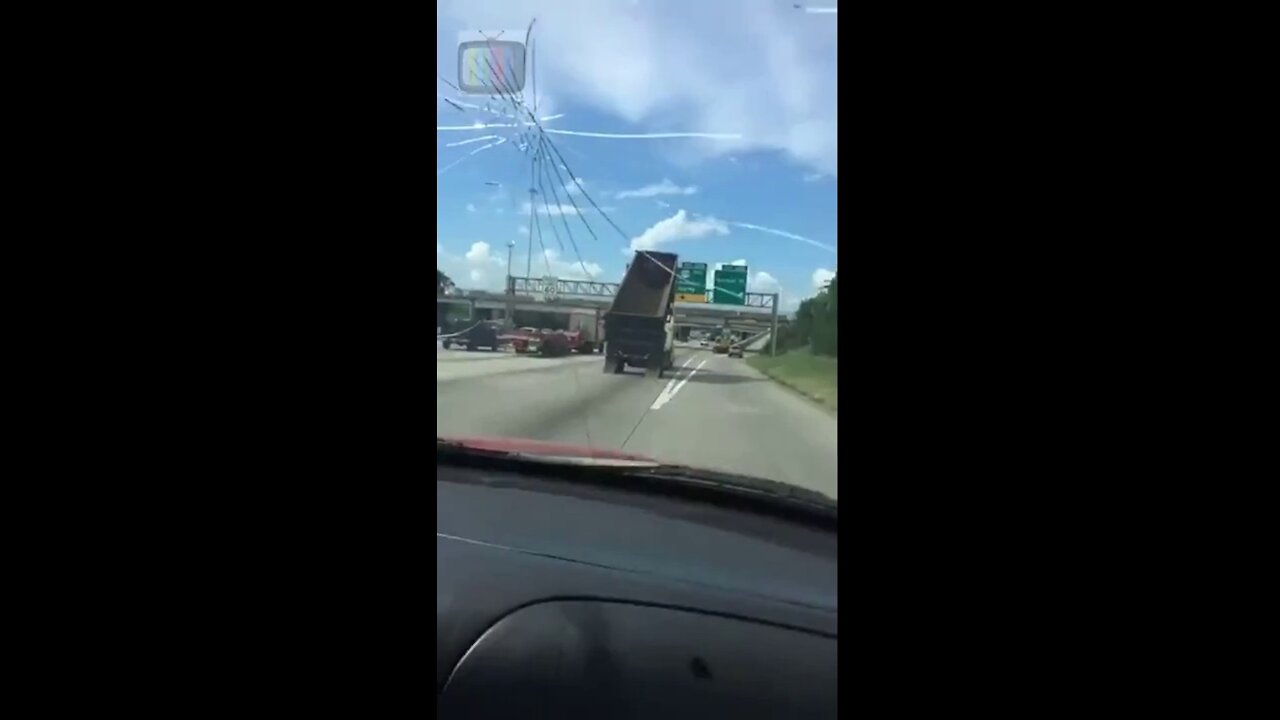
x: 722, y: 345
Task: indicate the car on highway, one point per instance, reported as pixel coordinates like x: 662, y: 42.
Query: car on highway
x: 735, y: 350
x: 479, y: 335
x: 722, y: 346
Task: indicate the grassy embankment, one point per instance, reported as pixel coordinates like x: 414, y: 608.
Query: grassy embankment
x: 813, y: 376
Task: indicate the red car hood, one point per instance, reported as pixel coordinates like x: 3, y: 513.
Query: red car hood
x: 545, y: 449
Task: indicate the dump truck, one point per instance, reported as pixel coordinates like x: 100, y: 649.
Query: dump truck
x: 639, y: 326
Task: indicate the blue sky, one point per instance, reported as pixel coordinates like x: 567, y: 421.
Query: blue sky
x: 760, y: 74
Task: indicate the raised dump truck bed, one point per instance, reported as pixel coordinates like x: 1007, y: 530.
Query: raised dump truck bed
x: 639, y: 326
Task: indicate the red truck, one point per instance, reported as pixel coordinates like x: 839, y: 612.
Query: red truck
x: 584, y: 331
x: 583, y: 336
x: 562, y: 342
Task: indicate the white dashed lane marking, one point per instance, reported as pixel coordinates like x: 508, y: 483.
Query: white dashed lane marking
x: 673, y: 387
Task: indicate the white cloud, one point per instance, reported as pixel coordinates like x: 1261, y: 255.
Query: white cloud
x: 566, y: 267
x: 763, y: 282
x: 662, y: 204
x: 572, y: 188
x: 477, y: 269
x: 677, y: 227
x: 821, y: 277
x: 471, y: 208
x: 769, y: 74
x: 479, y: 253
x: 666, y: 187
x: 813, y: 177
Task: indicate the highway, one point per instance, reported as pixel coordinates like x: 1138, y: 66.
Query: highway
x: 712, y: 411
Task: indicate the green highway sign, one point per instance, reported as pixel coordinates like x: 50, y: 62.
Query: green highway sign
x: 691, y: 282
x: 731, y: 285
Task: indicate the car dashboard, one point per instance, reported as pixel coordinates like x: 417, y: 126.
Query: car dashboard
x: 559, y: 599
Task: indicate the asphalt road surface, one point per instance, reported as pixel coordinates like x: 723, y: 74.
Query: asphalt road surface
x: 712, y: 411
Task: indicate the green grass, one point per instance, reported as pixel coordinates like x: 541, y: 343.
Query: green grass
x: 813, y: 376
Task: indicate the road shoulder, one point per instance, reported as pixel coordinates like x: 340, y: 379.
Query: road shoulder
x: 810, y: 376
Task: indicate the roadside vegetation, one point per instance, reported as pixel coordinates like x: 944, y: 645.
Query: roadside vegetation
x: 807, y: 350
x: 813, y: 376
x: 814, y: 326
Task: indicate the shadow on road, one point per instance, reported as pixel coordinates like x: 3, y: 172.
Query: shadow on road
x: 714, y: 378
x: 702, y: 376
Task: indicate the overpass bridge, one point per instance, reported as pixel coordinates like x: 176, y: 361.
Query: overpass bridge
x: 758, y: 312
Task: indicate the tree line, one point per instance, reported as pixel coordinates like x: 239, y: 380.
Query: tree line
x: 814, y: 324
x: 443, y: 284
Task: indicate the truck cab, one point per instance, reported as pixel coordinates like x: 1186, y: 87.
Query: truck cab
x: 482, y: 334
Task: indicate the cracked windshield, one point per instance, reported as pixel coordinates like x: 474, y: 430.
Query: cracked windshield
x: 636, y: 220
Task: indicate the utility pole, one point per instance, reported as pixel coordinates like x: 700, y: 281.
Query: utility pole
x: 528, y: 265
x: 773, y: 335
x: 528, y: 268
x: 511, y: 288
